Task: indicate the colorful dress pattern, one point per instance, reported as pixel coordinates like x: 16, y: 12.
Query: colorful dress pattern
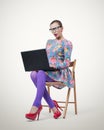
x: 59, y: 56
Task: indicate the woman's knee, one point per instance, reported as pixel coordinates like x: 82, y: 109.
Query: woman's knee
x: 33, y: 74
x: 41, y: 73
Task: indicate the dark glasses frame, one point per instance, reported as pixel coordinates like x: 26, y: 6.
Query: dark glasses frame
x: 53, y: 29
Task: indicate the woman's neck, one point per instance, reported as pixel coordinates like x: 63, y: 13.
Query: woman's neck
x: 60, y: 38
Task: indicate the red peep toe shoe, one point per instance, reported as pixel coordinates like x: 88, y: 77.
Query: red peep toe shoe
x: 33, y: 116
x: 57, y: 114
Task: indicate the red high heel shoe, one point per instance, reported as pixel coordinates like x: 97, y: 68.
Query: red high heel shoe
x: 32, y: 116
x: 57, y: 114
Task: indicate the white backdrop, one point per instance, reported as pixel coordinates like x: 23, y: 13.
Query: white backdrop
x: 24, y: 25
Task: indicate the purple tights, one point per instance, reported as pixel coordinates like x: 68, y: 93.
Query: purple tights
x: 39, y: 78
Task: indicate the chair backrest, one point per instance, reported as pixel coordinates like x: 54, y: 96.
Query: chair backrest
x: 72, y: 68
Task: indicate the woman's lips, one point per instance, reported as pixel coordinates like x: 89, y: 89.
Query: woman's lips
x: 55, y: 35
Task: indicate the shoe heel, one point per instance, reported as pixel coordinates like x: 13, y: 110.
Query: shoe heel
x: 39, y: 112
x: 57, y: 106
x: 60, y: 108
x: 38, y: 116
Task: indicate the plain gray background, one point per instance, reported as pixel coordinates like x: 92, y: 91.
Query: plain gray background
x: 24, y: 25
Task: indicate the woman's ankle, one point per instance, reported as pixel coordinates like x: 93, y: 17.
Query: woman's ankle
x: 33, y: 109
x: 54, y: 109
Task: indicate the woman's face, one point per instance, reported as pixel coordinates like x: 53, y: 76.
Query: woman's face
x: 56, y: 30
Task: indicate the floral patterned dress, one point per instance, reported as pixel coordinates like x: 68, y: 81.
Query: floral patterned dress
x: 59, y: 56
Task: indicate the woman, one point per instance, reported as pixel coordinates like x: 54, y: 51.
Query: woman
x: 59, y: 56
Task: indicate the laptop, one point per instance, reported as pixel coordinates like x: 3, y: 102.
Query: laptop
x: 36, y: 60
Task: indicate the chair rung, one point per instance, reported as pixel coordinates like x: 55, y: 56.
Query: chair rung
x: 71, y: 102
x: 45, y: 105
x: 64, y: 102
x: 58, y: 102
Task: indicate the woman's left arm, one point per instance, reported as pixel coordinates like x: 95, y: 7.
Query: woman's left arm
x: 67, y: 56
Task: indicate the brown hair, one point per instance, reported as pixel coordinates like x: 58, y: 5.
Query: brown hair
x: 57, y: 21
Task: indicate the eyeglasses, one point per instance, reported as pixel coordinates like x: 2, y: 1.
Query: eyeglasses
x: 54, y: 29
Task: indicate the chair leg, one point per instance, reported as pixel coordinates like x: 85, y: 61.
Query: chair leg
x: 75, y: 100
x: 66, y: 103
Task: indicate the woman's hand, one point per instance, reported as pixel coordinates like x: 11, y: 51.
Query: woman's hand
x: 53, y: 65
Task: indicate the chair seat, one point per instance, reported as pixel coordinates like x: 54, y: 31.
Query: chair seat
x: 58, y: 84
x: 55, y: 83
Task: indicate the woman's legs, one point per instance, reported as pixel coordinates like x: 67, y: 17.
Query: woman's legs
x: 39, y: 79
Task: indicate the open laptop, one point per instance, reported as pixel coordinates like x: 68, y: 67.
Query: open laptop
x: 36, y: 60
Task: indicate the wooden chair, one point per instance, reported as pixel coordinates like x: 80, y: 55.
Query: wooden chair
x: 66, y: 102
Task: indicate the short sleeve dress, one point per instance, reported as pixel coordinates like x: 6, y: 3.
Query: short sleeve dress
x: 59, y: 56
